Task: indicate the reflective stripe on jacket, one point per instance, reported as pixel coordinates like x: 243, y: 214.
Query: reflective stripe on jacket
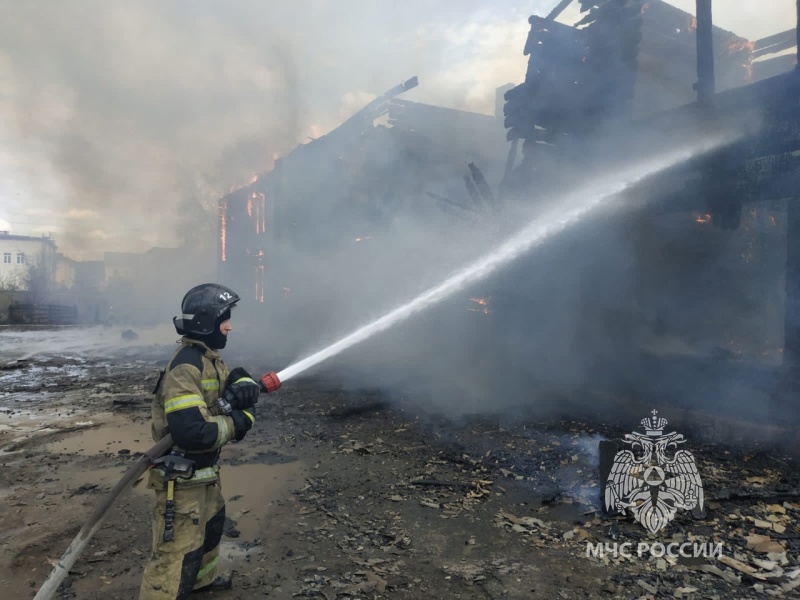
x: 185, y: 405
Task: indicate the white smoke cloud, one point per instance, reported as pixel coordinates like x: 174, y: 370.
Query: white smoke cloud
x: 113, y: 108
x: 126, y: 109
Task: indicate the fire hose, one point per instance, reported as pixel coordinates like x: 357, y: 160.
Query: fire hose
x: 268, y: 383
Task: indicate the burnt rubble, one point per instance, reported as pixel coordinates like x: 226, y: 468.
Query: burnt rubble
x: 393, y: 500
x: 539, y: 483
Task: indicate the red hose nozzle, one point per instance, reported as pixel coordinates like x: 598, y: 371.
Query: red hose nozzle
x: 270, y: 381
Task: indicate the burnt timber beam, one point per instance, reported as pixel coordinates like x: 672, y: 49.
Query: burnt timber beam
x: 790, y: 35
x: 775, y: 43
x: 558, y: 10
x: 705, y: 53
x: 377, y: 107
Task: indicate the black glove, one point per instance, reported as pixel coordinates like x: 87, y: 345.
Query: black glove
x: 242, y: 422
x: 242, y: 390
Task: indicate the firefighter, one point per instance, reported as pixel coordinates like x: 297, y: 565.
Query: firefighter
x: 189, y: 512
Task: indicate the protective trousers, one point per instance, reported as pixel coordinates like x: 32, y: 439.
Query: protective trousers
x: 190, y: 560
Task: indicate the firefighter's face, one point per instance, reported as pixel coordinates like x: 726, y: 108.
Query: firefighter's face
x: 225, y: 327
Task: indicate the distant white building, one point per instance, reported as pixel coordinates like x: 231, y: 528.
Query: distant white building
x: 18, y: 252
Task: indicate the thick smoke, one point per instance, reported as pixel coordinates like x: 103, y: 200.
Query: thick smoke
x: 137, y: 116
x: 569, y: 318
x: 114, y: 112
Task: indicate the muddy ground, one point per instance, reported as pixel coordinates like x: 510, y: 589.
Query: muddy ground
x: 344, y: 495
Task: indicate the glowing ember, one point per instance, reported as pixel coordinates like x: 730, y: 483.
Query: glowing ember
x: 238, y: 186
x: 702, y: 218
x: 743, y: 46
x: 482, y: 305
x: 740, y: 45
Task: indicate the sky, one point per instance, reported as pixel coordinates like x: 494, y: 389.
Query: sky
x: 119, y: 118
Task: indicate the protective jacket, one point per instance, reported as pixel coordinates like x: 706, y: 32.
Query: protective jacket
x: 184, y: 405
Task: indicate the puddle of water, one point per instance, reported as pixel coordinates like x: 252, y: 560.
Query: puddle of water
x: 115, y: 434
x: 233, y: 552
x: 14, y: 587
x: 250, y: 489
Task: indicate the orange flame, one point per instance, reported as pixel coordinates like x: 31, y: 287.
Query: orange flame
x: 739, y: 46
x: 702, y: 218
x: 238, y: 186
x: 483, y: 305
x: 742, y: 45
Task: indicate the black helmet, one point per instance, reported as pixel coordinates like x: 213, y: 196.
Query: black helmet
x: 202, y: 306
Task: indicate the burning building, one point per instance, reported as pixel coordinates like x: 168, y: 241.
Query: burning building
x: 697, y: 276
x: 692, y: 277
x: 337, y: 197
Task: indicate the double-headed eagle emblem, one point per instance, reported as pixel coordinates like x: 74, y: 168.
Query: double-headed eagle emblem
x: 650, y: 484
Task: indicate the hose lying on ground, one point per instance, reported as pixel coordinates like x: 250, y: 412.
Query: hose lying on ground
x: 62, y: 567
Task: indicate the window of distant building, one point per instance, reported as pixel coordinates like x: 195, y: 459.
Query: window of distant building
x: 20, y: 258
x: 7, y: 258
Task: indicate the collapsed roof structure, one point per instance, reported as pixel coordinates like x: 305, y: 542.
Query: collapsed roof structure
x: 632, y: 75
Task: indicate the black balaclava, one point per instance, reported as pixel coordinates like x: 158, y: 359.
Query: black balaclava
x: 215, y: 340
